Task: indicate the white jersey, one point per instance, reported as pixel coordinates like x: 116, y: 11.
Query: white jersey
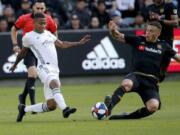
x: 43, y: 47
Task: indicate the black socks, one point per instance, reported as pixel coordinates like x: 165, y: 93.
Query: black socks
x: 116, y: 97
x: 29, y: 88
x: 140, y: 113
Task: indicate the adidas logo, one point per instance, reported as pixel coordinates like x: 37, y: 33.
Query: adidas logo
x: 103, y: 56
x: 11, y: 60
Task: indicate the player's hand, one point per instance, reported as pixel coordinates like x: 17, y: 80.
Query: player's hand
x: 113, y: 29
x: 12, y: 68
x: 112, y: 26
x: 85, y: 39
x: 16, y: 49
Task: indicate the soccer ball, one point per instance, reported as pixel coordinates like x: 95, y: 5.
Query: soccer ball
x: 99, y: 111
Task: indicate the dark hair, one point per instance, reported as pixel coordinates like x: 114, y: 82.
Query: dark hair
x: 39, y: 15
x: 2, y: 18
x: 81, y: 0
x: 100, y: 2
x: 156, y: 24
x: 38, y: 1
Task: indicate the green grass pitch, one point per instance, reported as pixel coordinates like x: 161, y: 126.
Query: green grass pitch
x: 164, y: 122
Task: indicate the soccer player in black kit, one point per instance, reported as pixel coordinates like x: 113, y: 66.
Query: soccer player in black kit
x: 148, y: 54
x: 166, y: 13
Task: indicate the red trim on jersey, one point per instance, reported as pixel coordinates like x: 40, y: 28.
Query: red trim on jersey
x: 25, y: 23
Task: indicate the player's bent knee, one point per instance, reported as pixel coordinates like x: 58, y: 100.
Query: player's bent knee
x: 127, y: 84
x: 32, y: 72
x: 152, y: 105
x: 54, y: 84
x: 51, y: 105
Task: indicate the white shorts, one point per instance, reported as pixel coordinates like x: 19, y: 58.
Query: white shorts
x: 46, y: 75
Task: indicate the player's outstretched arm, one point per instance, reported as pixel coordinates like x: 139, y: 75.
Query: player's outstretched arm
x: 67, y: 44
x: 20, y: 56
x: 177, y: 57
x: 16, y: 47
x: 114, y: 32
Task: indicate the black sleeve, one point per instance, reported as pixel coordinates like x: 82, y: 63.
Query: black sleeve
x: 169, y: 51
x: 171, y: 9
x: 132, y: 40
x: 174, y: 10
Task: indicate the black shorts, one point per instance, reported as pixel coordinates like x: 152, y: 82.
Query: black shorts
x: 30, y: 59
x: 146, y: 87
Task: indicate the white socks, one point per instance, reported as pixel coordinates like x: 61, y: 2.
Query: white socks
x: 58, y: 97
x: 40, y: 107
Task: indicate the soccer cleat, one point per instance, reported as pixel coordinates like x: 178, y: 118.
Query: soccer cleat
x: 21, y: 112
x: 67, y: 111
x: 21, y: 100
x: 120, y: 116
x: 108, y: 102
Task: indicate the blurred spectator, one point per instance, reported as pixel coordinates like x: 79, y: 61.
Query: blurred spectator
x: 109, y: 4
x: 142, y: 7
x: 127, y: 8
x: 139, y: 21
x: 113, y: 7
x: 3, y: 24
x: 8, y: 11
x: 116, y: 17
x: 74, y: 23
x: 91, y: 13
x: 56, y: 20
x: 82, y: 12
x: 92, y: 5
x: 9, y: 14
x: 25, y: 8
x: 69, y: 5
x: 175, y: 2
x: 1, y: 8
x: 101, y: 13
x: 49, y: 11
x: 94, y: 23
x: 59, y: 7
x: 15, y: 4
x: 148, y: 2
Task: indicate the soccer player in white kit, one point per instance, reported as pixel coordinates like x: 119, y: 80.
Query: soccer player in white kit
x: 42, y: 43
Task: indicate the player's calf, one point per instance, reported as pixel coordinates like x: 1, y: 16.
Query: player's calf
x: 111, y: 101
x: 21, y: 99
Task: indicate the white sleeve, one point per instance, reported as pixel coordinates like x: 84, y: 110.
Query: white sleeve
x: 25, y: 42
x: 53, y: 37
